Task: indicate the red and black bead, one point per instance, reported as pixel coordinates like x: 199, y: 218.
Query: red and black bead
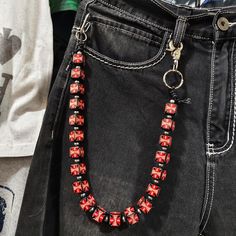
x: 76, y: 119
x: 81, y: 186
x: 78, y: 169
x: 165, y: 140
x: 77, y: 73
x: 131, y: 215
x: 144, y: 205
x: 76, y: 136
x: 76, y: 152
x: 99, y: 214
x: 170, y: 108
x: 78, y: 58
x: 162, y: 157
x: 115, y: 219
x: 153, y: 190
x: 158, y: 173
x: 77, y: 103
x: 87, y: 203
x: 77, y: 88
x: 168, y: 124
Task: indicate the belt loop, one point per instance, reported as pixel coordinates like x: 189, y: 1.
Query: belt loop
x: 179, y: 31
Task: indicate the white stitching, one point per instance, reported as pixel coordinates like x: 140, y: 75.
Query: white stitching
x: 234, y: 119
x: 206, y: 194
x: 211, y: 201
x: 231, y: 98
x: 117, y: 9
x: 211, y: 95
x: 131, y: 66
x: 182, y: 6
x: 214, y: 9
x: 233, y: 136
x: 121, y: 11
x: 125, y: 67
x: 197, y: 36
x: 163, y: 7
x: 174, y: 5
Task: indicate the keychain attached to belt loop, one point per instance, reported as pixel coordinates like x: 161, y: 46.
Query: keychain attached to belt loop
x: 175, y: 46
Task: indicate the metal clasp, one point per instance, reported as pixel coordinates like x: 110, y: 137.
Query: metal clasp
x: 176, y: 54
x: 80, y: 32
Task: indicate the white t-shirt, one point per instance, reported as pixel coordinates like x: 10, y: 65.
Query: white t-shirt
x: 26, y: 60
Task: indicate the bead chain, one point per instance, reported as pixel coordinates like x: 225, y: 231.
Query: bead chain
x: 81, y: 187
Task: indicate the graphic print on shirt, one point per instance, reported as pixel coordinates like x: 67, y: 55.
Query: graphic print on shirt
x: 3, y: 206
x: 6, y: 202
x: 9, y: 46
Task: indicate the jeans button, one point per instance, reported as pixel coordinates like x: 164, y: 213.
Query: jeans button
x: 223, y: 24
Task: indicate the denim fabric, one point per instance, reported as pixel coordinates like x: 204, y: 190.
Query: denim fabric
x: 203, y: 3
x: 125, y: 62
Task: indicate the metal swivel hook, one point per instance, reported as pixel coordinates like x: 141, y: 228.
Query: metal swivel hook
x: 80, y: 32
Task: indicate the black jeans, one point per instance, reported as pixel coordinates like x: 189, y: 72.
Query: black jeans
x: 126, y: 58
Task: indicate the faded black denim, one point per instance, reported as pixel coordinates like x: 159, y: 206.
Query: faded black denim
x: 126, y: 60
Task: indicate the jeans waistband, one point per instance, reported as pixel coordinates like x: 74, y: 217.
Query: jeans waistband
x: 202, y: 22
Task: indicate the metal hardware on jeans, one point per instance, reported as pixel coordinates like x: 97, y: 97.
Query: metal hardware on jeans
x: 175, y: 53
x: 80, y: 32
x: 224, y: 24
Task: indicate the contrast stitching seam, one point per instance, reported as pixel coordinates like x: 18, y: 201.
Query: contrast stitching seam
x: 234, y: 119
x: 164, y: 8
x: 131, y: 66
x: 231, y: 98
x: 206, y: 195
x: 182, y: 6
x: 211, y: 96
x: 119, y: 10
x: 197, y: 36
x: 125, y: 67
x: 212, y: 197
